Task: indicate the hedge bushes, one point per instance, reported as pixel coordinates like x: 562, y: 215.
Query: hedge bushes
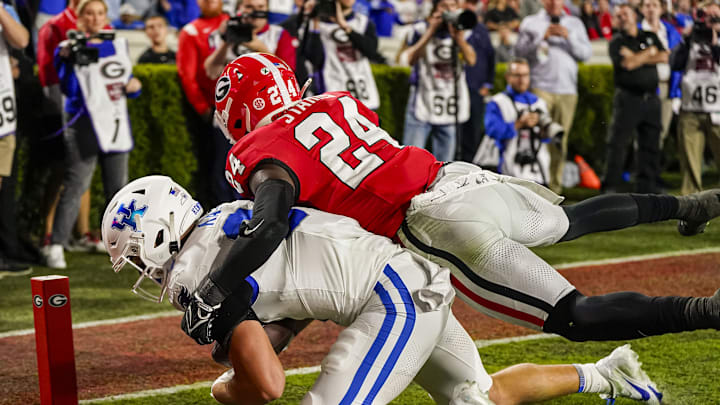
x: 160, y: 118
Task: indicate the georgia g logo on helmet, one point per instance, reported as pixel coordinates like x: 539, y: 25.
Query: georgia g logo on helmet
x: 252, y: 88
x: 222, y: 88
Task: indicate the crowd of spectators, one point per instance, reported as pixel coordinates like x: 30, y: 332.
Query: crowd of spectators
x: 523, y: 130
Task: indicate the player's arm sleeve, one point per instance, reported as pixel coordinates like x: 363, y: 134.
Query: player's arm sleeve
x: 256, y: 240
x: 286, y: 50
x: 259, y: 375
x: 187, y: 65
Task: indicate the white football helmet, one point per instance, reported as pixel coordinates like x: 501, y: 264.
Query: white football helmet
x: 144, y: 224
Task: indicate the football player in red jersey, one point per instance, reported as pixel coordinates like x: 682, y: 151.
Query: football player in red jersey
x: 328, y: 152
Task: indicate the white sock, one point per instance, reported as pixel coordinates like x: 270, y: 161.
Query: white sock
x: 591, y: 380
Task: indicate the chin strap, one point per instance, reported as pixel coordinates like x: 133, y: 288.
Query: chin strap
x: 174, y: 245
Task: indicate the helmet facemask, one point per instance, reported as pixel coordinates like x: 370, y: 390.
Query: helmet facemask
x: 142, y: 227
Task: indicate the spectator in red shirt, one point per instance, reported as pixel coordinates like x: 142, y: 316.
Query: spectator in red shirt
x: 197, y: 41
x: 590, y: 19
x: 605, y: 18
x: 267, y: 38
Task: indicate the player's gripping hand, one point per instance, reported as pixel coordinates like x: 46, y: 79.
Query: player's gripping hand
x: 198, y: 320
x: 212, y: 314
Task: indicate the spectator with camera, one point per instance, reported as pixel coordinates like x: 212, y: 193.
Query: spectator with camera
x: 439, y: 96
x: 699, y: 119
x: 247, y: 32
x: 480, y: 78
x: 636, y: 106
x: 339, y: 46
x: 554, y: 42
x: 519, y: 126
x: 50, y: 148
x: 196, y: 42
x: 96, y: 78
x: 156, y: 29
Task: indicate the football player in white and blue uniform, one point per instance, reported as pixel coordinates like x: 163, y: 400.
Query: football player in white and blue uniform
x: 394, y: 304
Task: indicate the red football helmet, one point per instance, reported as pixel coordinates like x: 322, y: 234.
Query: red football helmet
x: 250, y: 91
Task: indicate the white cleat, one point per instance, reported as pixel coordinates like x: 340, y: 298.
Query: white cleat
x: 223, y: 379
x: 626, y: 377
x: 54, y: 256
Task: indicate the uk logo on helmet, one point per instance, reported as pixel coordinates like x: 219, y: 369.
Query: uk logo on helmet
x: 127, y: 217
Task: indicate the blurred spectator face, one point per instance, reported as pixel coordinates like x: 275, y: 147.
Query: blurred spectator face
x: 446, y: 5
x: 587, y: 8
x: 626, y: 17
x: 518, y: 76
x: 712, y: 10
x: 651, y: 10
x: 249, y: 6
x: 156, y: 30
x: 514, y: 4
x: 554, y: 7
x: 603, y: 6
x: 92, y: 16
x: 128, y: 14
x: 210, y: 8
x: 346, y: 4
x: 684, y: 6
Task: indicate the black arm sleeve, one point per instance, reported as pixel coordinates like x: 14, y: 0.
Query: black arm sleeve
x: 312, y: 50
x: 366, y: 42
x: 256, y: 241
x: 679, y: 56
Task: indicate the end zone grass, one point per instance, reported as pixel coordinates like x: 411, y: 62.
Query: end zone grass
x: 684, y: 366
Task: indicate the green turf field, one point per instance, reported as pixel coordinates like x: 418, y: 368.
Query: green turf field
x: 684, y: 366
x: 675, y: 362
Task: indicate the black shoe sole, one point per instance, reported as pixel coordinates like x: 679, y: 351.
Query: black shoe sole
x: 13, y: 273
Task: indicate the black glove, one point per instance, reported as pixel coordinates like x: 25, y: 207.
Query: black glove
x: 211, y: 315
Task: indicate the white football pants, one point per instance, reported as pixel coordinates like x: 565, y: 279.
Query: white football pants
x: 480, y: 225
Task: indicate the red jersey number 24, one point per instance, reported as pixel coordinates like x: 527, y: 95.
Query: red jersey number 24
x: 361, y: 127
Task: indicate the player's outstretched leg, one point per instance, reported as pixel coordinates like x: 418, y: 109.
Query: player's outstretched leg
x: 611, y: 377
x: 617, y: 211
x: 630, y: 315
x: 700, y: 208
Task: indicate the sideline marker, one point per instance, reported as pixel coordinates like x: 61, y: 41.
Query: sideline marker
x: 53, y: 340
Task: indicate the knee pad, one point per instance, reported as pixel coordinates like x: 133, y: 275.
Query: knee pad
x: 469, y: 393
x: 563, y: 318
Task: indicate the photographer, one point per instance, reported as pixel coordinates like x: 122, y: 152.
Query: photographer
x: 699, y: 57
x: 636, y: 106
x: 439, y: 95
x: 554, y: 42
x: 339, y: 46
x: 517, y: 123
x: 96, y: 77
x: 247, y: 32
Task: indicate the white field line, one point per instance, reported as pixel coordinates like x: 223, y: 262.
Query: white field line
x: 560, y: 266
x: 295, y: 371
x: 115, y: 321
x: 628, y: 259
